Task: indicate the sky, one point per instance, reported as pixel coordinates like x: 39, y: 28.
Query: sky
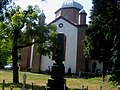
x: 51, y: 6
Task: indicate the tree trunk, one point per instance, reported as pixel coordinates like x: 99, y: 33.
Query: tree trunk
x: 15, y: 58
x: 104, y: 70
x: 15, y: 66
x: 105, y: 61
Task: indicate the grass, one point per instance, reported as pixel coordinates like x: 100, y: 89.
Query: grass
x: 39, y: 81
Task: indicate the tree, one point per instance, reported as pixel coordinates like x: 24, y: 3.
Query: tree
x: 100, y: 33
x: 4, y: 49
x: 3, y: 4
x: 21, y: 27
x: 5, y: 52
x: 116, y: 47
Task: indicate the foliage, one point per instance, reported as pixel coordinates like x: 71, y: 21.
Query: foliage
x: 98, y: 40
x: 22, y: 27
x: 5, y: 50
x: 30, y: 28
x: 3, y: 5
x: 116, y: 47
x: 103, y: 35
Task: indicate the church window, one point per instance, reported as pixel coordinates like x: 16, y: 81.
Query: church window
x: 59, y: 50
x: 60, y: 25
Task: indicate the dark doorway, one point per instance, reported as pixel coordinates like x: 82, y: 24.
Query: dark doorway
x: 94, y: 67
x: 59, y: 50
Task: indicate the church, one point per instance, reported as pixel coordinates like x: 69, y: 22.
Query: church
x: 70, y: 20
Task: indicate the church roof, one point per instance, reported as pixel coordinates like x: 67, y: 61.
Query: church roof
x: 82, y: 11
x: 71, y: 3
x: 72, y: 23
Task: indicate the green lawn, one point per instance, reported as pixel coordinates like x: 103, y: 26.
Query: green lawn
x: 39, y: 81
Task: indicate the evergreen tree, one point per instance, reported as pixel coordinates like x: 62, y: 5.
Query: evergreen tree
x: 116, y: 47
x: 101, y: 31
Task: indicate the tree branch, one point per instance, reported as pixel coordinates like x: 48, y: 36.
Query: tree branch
x: 26, y: 12
x: 23, y: 46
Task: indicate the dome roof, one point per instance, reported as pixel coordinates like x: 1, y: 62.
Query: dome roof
x: 71, y: 3
x: 82, y: 11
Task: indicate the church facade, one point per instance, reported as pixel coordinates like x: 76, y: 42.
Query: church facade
x: 70, y: 20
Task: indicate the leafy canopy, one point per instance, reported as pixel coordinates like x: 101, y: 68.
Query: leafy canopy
x: 24, y: 28
x: 27, y: 25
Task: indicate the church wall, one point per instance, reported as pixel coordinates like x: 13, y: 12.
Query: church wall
x: 25, y: 58
x: 45, y: 63
x: 36, y: 63
x: 74, y: 47
x: 80, y: 56
x: 70, y: 14
x: 70, y: 32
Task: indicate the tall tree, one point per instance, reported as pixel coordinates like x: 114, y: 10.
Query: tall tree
x: 100, y: 33
x: 21, y: 27
x: 116, y: 47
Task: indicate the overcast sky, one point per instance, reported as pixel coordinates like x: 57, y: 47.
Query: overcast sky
x: 50, y: 6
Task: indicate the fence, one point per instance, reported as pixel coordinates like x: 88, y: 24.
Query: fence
x: 32, y: 87
x: 11, y: 88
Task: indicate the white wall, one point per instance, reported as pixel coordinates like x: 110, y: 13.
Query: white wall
x: 45, y: 62
x: 70, y: 32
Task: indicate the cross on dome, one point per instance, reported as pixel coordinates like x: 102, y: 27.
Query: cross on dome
x: 42, y: 13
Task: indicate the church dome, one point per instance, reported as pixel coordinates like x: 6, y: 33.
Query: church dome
x: 82, y: 11
x: 71, y: 3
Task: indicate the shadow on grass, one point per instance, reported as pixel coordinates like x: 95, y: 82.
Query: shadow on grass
x: 19, y: 86
x: 28, y: 86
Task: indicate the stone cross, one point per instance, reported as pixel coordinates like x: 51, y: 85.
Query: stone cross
x: 24, y: 81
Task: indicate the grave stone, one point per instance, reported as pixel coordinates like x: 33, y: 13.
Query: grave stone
x: 57, y: 81
x: 24, y: 81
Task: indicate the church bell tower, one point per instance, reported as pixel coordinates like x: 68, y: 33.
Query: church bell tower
x: 69, y: 10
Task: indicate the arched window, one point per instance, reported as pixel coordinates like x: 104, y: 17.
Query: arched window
x: 59, y: 52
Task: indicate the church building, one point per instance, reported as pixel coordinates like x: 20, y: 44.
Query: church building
x: 70, y: 20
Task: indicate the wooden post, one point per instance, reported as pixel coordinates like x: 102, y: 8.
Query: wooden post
x: 3, y: 84
x: 100, y: 87
x: 32, y: 86
x: 46, y: 87
x: 82, y: 87
x: 87, y: 88
x: 11, y: 88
